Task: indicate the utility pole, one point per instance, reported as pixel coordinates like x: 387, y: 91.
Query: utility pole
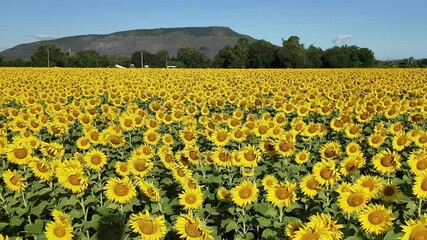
x: 142, y: 60
x: 69, y: 52
x: 166, y: 56
x: 48, y: 60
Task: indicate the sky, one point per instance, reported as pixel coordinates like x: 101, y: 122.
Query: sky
x: 392, y: 29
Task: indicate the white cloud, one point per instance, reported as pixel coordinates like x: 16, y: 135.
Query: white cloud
x: 340, y: 38
x: 46, y: 37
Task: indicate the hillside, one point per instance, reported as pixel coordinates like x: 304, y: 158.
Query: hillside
x: 208, y: 40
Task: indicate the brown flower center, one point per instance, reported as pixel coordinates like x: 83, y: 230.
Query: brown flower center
x: 14, y: 180
x: 326, y: 173
x: 59, y: 231
x: 376, y: 218
x: 192, y: 230
x: 355, y: 199
x: 282, y: 193
x: 221, y: 136
x: 140, y: 165
x: 147, y: 227
x: 388, y: 191
x: 74, y: 179
x: 245, y: 192
x: 95, y: 159
x: 190, y: 198
x: 422, y: 164
x: 419, y: 232
x: 424, y: 184
x: 387, y: 160
x: 42, y: 167
x: 312, y: 184
x: 20, y: 153
x: 120, y: 189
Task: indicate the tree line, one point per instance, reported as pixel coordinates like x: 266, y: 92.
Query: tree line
x: 244, y: 54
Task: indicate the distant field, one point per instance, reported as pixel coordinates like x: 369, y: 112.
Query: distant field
x: 213, y: 154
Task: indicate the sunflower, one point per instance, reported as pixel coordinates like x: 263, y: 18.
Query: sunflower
x: 61, y: 217
x: 396, y: 128
x: 180, y: 172
x: 191, y: 198
x: 376, y: 140
x: 19, y: 153
x: 127, y: 122
x: 191, y: 228
x: 58, y: 231
x: 348, y: 166
x: 144, y: 151
x: 139, y: 166
x: 245, y: 193
x: 353, y: 131
x: 302, y: 157
x: 353, y: 200
x: 418, y: 162
x: 376, y: 219
x: 95, y: 159
x: 121, y: 168
x: 400, y: 141
x: 148, y: 227
x: 250, y: 156
x: 415, y: 229
x: 337, y: 124
x: 167, y: 139
x: 282, y: 195
x: 151, y: 137
x: 330, y: 150
x: 42, y: 169
x: 285, y: 147
x: 222, y: 157
x: 149, y: 190
x: 223, y: 194
x: 419, y: 187
x: 389, y: 191
x: 220, y: 137
x: 188, y: 136
x: 313, y: 233
x: 292, y: 228
x: 421, y: 140
x: 52, y: 150
x: 119, y: 190
x: 372, y: 183
x: 386, y: 161
x: 83, y: 143
x: 14, y: 181
x: 325, y: 173
x: 325, y: 222
x: 71, y: 177
x: 352, y: 148
x: 3, y: 145
x: 238, y: 135
x: 309, y: 186
x: 269, y: 181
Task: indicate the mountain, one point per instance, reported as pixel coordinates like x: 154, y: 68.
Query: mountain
x: 208, y: 40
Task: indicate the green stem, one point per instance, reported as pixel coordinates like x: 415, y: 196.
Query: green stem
x: 281, y: 214
x: 420, y: 204
x: 23, y: 199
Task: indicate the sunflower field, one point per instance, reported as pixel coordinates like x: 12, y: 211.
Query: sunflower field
x: 213, y: 154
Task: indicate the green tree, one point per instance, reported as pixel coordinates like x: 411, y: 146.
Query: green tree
x: 191, y: 58
x: 88, y: 58
x: 262, y: 54
x: 313, y: 57
x: 225, y: 58
x: 159, y: 59
x: 366, y: 57
x: 240, y: 53
x: 1, y: 61
x: 48, y: 55
x: 292, y: 53
x: 147, y: 58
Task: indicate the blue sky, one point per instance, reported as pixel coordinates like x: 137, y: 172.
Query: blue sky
x: 392, y: 29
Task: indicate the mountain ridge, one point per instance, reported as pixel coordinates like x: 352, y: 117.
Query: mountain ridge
x: 208, y: 40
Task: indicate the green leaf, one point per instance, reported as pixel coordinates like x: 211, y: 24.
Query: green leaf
x: 353, y: 238
x: 68, y: 201
x: 35, y: 228
x: 268, y: 233
x: 90, y: 199
x: 411, y: 206
x: 76, y: 213
x: 16, y: 221
x: 393, y: 235
x: 264, y: 222
x: 3, y: 225
x: 22, y: 211
x: 37, y: 210
x: 232, y: 225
